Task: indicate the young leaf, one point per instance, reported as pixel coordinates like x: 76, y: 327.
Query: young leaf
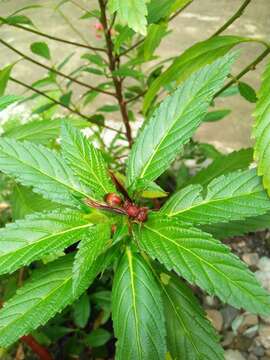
x: 41, y: 168
x: 17, y: 19
x: 86, y: 161
x: 4, y: 76
x: 24, y: 202
x: 222, y: 165
x: 38, y: 235
x: 92, y: 245
x: 235, y: 196
x: 7, y: 100
x: 137, y: 311
x: 82, y: 311
x: 213, y: 116
x: 194, y: 58
x: 131, y: 12
x: 204, y: 261
x: 154, y: 36
x: 189, y: 334
x: 175, y: 121
x: 98, y: 337
x: 48, y: 292
x: 261, y: 131
x: 41, y: 49
x: 247, y: 92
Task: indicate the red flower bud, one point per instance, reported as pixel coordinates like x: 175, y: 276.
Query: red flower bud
x: 132, y: 210
x: 142, y: 215
x: 113, y: 199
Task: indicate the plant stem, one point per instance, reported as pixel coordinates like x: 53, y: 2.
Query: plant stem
x: 179, y: 11
x: 37, y: 348
x: 248, y: 68
x: 55, y: 38
x: 114, y: 65
x: 232, y: 19
x: 61, y: 104
x: 24, y: 56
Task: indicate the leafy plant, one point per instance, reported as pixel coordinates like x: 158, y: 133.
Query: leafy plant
x: 82, y: 217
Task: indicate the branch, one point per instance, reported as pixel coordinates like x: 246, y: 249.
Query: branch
x: 248, y: 68
x: 179, y: 11
x: 232, y: 19
x: 55, y: 38
x: 54, y: 70
x: 61, y: 104
x: 37, y: 348
x: 113, y: 65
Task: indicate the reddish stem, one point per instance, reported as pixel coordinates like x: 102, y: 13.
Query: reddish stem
x: 38, y: 349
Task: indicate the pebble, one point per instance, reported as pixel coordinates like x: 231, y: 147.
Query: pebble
x: 233, y: 355
x: 264, y: 335
x: 252, y: 357
x: 229, y: 313
x: 251, y: 259
x: 264, y: 264
x: 216, y: 319
x: 228, y: 339
x: 248, y: 321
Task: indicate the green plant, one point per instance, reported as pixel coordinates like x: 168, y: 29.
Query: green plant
x: 81, y: 212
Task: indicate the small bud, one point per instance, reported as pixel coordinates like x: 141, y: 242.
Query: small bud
x: 113, y: 229
x: 142, y: 215
x: 113, y: 199
x: 132, y: 210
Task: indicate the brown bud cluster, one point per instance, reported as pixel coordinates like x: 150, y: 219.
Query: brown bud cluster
x: 132, y: 210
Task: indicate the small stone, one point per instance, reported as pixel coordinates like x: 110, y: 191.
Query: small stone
x: 266, y: 319
x: 229, y: 314
x: 264, y: 278
x: 264, y: 264
x: 251, y: 259
x: 252, y: 357
x: 248, y: 321
x: 258, y: 350
x: 210, y: 301
x: 242, y: 343
x: 228, y: 339
x: 264, y: 336
x: 233, y: 355
x: 216, y: 319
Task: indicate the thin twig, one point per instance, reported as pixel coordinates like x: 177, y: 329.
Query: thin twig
x: 55, y: 38
x: 24, y: 56
x: 179, y: 11
x: 248, y: 68
x: 114, y: 65
x: 61, y: 104
x: 232, y: 19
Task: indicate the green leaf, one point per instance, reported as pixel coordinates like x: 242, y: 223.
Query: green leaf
x: 41, y: 168
x: 161, y: 9
x: 38, y: 235
x: 174, y: 121
x: 213, y: 116
x: 222, y: 165
x: 155, y: 33
x: 191, y: 60
x: 82, y: 311
x: 98, y: 337
x: 86, y: 161
x: 24, y: 202
x: 4, y: 77
x: 261, y: 130
x: 131, y: 12
x: 247, y: 92
x: 148, y: 189
x: 92, y: 245
x: 47, y: 293
x: 235, y: 196
x: 137, y: 311
x: 41, y: 49
x: 17, y: 19
x: 124, y: 71
x: 238, y: 228
x: 189, y: 334
x: 7, y: 100
x: 204, y: 261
